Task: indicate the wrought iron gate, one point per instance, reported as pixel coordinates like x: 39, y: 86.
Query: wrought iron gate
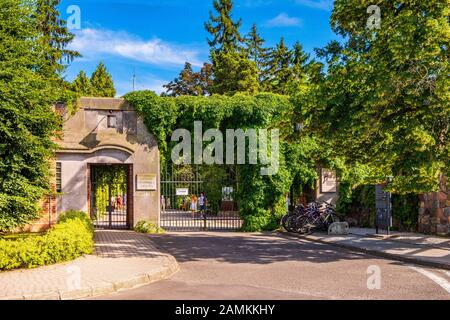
x: 109, y: 197
x: 180, y: 206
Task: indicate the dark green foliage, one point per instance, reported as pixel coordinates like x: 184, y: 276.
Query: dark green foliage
x: 224, y: 31
x: 261, y: 198
x: 29, y: 87
x: 405, y: 211
x: 285, y: 70
x: 384, y: 100
x: 254, y: 45
x: 234, y: 72
x: 69, y: 239
x: 102, y: 84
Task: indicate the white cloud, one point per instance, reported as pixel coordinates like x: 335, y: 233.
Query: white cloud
x: 283, y: 20
x: 95, y: 43
x: 317, y: 4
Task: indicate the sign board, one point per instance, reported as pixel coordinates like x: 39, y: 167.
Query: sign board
x: 182, y: 191
x: 383, y: 206
x: 328, y: 181
x: 146, y: 182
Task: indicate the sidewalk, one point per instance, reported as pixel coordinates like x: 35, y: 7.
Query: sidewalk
x: 407, y: 247
x: 122, y: 260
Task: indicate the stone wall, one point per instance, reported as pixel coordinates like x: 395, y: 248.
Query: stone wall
x: 434, y: 212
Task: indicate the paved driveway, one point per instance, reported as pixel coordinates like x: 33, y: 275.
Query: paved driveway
x: 273, y: 266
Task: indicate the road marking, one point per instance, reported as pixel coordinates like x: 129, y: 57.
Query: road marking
x: 444, y: 284
x: 447, y: 273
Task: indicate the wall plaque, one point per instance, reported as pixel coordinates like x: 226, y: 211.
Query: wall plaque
x: 328, y: 181
x: 146, y: 182
x: 182, y: 191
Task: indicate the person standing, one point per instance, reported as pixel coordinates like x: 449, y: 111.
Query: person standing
x: 193, y: 205
x: 202, y: 203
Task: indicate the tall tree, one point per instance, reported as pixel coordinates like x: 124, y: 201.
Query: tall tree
x: 232, y: 68
x: 27, y: 122
x: 82, y: 85
x: 385, y: 98
x: 278, y: 69
x: 53, y: 31
x: 102, y: 83
x: 234, y: 72
x: 224, y: 31
x: 299, y: 81
x: 256, y: 51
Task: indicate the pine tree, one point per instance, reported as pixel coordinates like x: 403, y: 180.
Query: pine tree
x: 82, y: 85
x: 232, y: 68
x: 278, y: 69
x: 53, y: 32
x: 234, y: 72
x: 102, y: 83
x: 256, y: 51
x: 299, y: 79
x: 224, y: 31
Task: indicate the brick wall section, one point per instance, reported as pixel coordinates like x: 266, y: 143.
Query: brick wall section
x: 434, y: 212
x: 49, y: 215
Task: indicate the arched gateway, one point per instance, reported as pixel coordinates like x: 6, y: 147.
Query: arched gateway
x: 108, y: 165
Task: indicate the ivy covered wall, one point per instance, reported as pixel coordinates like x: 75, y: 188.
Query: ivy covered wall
x: 261, y: 198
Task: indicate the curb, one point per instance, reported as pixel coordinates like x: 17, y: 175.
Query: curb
x: 169, y: 268
x: 417, y: 261
x: 395, y: 239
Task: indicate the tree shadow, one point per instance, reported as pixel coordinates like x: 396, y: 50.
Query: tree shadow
x: 254, y: 248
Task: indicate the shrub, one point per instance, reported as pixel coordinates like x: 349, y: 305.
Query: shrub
x: 73, y: 214
x: 69, y: 239
x: 148, y: 227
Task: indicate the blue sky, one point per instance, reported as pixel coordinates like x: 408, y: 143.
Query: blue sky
x: 156, y: 37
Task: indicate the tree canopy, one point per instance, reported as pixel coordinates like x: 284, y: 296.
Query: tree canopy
x: 383, y: 100
x: 29, y: 87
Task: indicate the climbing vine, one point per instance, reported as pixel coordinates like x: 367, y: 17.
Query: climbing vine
x: 261, y: 198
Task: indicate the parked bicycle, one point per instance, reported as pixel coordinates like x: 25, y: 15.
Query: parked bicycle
x: 306, y: 220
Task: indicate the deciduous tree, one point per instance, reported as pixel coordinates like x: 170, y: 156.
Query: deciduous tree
x: 385, y: 98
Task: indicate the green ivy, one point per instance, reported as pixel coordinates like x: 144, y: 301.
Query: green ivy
x: 261, y: 198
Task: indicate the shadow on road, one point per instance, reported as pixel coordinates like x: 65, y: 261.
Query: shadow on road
x: 258, y: 248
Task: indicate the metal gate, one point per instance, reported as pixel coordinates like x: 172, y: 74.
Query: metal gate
x: 180, y: 208
x: 109, y: 198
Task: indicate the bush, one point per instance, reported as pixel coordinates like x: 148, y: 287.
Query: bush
x: 148, y: 227
x: 69, y: 239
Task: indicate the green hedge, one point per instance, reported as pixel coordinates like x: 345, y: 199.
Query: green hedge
x: 69, y: 239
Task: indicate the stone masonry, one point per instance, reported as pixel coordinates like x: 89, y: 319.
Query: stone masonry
x: 434, y: 212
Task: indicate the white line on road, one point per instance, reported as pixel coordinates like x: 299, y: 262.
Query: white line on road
x: 440, y: 281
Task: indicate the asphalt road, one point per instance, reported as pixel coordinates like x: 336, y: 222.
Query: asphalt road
x: 273, y: 266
